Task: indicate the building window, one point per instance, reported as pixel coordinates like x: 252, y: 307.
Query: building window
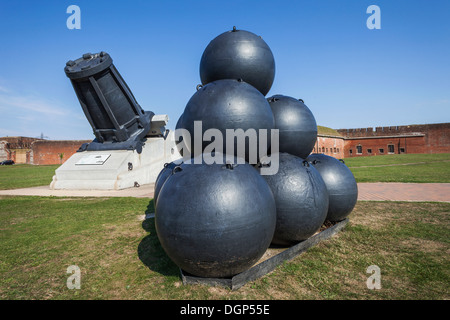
x: 334, y: 150
x: 323, y: 149
x: 369, y: 151
x: 350, y: 151
x: 381, y: 150
x: 358, y: 149
x: 402, y: 150
x: 391, y: 148
x: 338, y: 150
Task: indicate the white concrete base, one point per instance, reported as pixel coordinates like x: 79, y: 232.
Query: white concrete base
x: 114, y: 173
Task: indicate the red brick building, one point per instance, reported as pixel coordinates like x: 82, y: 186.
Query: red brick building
x: 331, y: 145
x: 17, y: 149
x: 55, y: 151
x: 37, y: 151
x: 424, y: 138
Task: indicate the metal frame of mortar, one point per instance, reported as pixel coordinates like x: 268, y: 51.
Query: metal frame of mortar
x: 261, y: 269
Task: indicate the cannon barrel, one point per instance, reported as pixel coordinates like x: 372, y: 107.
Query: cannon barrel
x: 116, y: 118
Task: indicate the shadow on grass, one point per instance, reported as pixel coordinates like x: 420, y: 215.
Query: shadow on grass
x: 150, y: 251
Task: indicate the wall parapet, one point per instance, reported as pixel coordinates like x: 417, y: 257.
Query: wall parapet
x: 413, y: 129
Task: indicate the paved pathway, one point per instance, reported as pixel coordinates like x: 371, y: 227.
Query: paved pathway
x: 394, y: 191
x: 144, y: 191
x: 366, y: 191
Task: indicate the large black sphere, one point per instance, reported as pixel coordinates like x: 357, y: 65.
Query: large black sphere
x: 301, y: 198
x: 229, y: 104
x: 296, y: 124
x: 215, y: 220
x: 341, y: 185
x: 239, y: 54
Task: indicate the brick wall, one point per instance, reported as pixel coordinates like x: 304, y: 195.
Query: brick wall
x: 17, y: 149
x: 438, y: 138
x: 383, y: 146
x: 427, y: 138
x: 19, y: 142
x: 383, y: 131
x: 330, y: 145
x: 54, y: 151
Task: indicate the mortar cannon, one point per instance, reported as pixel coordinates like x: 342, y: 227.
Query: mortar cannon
x: 118, y: 121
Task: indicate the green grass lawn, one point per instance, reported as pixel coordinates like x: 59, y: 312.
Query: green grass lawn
x: 25, y: 175
x: 392, y: 159
x: 120, y: 256
x: 421, y: 168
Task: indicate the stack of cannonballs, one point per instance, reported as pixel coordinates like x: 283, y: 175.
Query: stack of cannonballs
x: 217, y: 220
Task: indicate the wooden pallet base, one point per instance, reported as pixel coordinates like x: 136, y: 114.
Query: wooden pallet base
x: 271, y: 259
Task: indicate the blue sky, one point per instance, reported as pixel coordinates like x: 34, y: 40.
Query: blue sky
x: 348, y: 75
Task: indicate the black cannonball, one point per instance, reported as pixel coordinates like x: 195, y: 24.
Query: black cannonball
x: 239, y: 54
x: 341, y: 185
x: 296, y: 124
x: 229, y: 104
x: 301, y: 198
x: 215, y: 220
